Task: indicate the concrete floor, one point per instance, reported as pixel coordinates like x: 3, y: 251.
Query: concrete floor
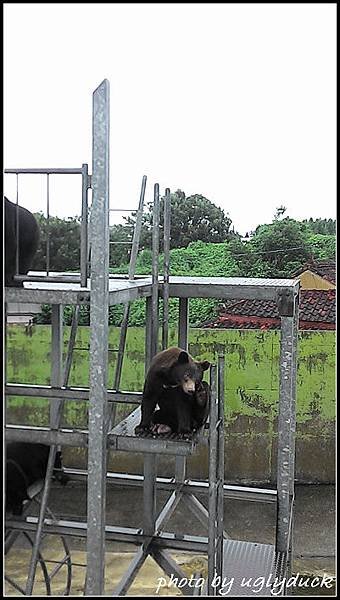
x: 314, y: 532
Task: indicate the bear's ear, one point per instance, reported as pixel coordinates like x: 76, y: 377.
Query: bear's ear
x: 205, y: 364
x: 183, y: 357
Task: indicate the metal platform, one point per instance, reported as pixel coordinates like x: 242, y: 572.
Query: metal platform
x: 63, y: 288
x: 249, y: 569
x: 121, y: 437
x: 60, y: 290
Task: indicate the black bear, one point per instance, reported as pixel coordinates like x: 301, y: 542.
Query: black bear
x: 26, y: 464
x: 172, y: 373
x: 28, y: 241
x: 179, y: 414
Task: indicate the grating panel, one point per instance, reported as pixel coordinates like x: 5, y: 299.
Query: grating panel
x: 249, y: 569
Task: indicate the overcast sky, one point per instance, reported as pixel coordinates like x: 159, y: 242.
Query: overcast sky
x: 233, y: 101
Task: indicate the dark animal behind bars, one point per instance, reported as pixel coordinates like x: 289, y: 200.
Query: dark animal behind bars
x: 28, y: 240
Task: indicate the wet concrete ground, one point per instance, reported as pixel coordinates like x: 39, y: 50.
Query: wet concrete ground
x: 314, y: 535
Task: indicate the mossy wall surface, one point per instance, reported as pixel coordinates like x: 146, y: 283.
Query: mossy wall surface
x: 251, y: 394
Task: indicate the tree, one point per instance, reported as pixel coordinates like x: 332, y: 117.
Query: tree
x: 193, y: 218
x: 322, y: 226
x: 64, y: 235
x: 282, y: 245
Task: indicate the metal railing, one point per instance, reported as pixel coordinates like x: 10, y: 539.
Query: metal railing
x: 86, y: 184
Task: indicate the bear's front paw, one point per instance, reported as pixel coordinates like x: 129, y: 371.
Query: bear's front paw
x: 161, y: 429
x: 140, y: 429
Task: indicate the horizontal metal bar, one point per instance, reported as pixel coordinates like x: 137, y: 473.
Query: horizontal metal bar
x: 68, y: 295
x: 67, y: 277
x: 69, y: 393
x: 125, y: 243
x: 46, y: 278
x: 118, y: 534
x: 44, y: 435
x: 79, y: 438
x: 169, y: 484
x: 122, y: 209
x: 44, y: 171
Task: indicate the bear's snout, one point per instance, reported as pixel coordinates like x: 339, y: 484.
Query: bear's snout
x: 189, y: 387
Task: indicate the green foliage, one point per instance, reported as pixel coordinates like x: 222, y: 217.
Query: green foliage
x: 64, y: 244
x: 322, y: 226
x: 202, y: 245
x: 282, y: 246
x: 323, y: 247
x: 44, y: 317
x: 193, y: 218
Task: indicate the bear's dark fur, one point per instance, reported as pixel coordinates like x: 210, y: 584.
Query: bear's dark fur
x: 179, y: 413
x: 28, y: 241
x: 26, y: 464
x: 172, y: 374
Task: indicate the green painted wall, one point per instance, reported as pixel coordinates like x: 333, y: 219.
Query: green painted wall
x: 252, y: 368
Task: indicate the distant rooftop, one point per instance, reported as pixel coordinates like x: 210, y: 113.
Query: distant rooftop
x: 323, y: 268
x: 317, y: 311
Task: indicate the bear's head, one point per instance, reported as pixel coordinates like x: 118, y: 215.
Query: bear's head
x: 187, y: 373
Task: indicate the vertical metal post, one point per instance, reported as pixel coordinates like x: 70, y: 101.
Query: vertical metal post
x: 166, y: 245
x: 56, y: 405
x: 17, y: 228
x: 148, y: 332
x: 97, y: 455
x: 155, y: 257
x: 292, y: 435
x: 293, y: 396
x: 5, y: 355
x: 57, y: 360
x: 212, y: 500
x: 181, y: 461
x: 73, y: 333
x: 47, y: 224
x: 220, y: 468
x: 149, y: 493
x: 183, y: 323
x: 284, y: 450
x: 137, y: 231
x: 132, y: 269
x: 84, y: 228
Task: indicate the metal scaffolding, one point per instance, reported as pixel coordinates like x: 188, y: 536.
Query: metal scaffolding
x: 100, y: 290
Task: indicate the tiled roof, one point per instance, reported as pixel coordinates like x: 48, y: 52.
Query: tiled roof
x: 324, y: 268
x: 317, y: 311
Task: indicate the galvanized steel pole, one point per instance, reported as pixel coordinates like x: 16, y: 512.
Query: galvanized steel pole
x: 167, y: 225
x: 97, y: 453
x: 155, y: 257
x: 284, y: 450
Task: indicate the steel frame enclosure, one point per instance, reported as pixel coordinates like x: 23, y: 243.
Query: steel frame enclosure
x: 101, y: 291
